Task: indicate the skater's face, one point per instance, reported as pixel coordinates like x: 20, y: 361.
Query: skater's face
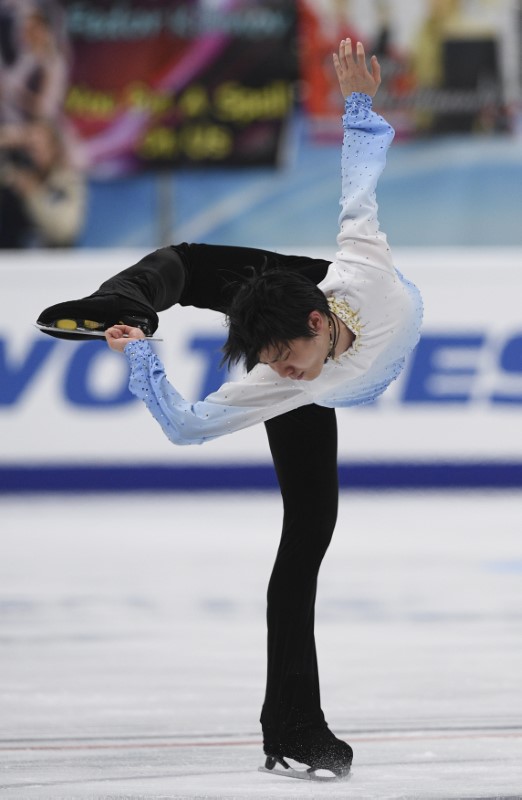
x: 303, y: 359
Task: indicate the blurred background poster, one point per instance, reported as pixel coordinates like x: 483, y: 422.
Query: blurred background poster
x: 163, y: 83
x: 219, y: 120
x: 167, y: 83
x: 448, y: 66
x: 152, y: 83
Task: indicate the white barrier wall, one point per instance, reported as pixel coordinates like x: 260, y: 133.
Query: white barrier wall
x: 459, y: 401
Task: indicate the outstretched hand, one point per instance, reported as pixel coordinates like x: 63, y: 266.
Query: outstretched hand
x: 120, y: 335
x: 352, y: 72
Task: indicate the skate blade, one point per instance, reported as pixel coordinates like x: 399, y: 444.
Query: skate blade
x: 79, y: 333
x: 303, y: 774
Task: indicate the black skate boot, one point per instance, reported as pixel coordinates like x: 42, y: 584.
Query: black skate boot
x: 316, y: 747
x: 80, y: 319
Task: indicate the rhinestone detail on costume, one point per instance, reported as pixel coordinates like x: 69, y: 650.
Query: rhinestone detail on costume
x: 351, y: 319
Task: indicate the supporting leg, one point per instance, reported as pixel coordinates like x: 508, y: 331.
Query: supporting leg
x: 304, y: 448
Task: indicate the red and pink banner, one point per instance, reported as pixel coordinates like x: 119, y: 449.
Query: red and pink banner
x: 166, y: 83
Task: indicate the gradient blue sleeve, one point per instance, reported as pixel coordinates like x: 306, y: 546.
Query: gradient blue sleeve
x: 367, y: 137
x: 259, y: 396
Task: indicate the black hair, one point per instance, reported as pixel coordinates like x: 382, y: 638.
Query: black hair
x: 270, y: 309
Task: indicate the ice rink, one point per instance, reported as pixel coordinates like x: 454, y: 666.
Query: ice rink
x: 133, y: 636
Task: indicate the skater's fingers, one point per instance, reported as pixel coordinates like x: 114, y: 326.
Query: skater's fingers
x: 343, y: 60
x: 133, y: 333
x: 344, y: 65
x: 117, y: 331
x: 115, y: 339
x: 120, y: 335
x: 113, y: 333
x: 361, y: 57
x: 346, y: 50
x: 376, y: 70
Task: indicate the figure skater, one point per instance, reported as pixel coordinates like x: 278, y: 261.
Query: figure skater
x: 314, y: 336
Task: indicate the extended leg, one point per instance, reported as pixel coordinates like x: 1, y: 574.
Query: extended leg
x: 133, y: 296
x: 190, y: 274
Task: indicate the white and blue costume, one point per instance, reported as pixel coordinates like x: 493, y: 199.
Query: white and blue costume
x: 383, y: 311
x: 364, y: 290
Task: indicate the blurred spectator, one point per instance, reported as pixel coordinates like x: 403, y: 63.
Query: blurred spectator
x: 42, y: 198
x: 33, y: 61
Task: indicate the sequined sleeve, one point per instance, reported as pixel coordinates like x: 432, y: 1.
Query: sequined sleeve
x: 259, y: 396
x: 364, y: 290
x: 367, y: 137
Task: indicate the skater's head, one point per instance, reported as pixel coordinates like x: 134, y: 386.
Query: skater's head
x: 281, y: 319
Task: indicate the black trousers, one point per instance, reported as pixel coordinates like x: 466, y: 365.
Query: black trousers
x: 303, y: 444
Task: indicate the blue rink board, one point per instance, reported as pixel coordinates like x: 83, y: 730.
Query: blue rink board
x: 382, y: 475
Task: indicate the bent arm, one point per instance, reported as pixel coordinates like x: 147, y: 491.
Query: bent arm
x: 259, y: 396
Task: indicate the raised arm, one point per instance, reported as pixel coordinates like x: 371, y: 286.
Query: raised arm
x: 367, y: 137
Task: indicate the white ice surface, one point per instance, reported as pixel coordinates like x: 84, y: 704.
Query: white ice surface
x: 132, y: 646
